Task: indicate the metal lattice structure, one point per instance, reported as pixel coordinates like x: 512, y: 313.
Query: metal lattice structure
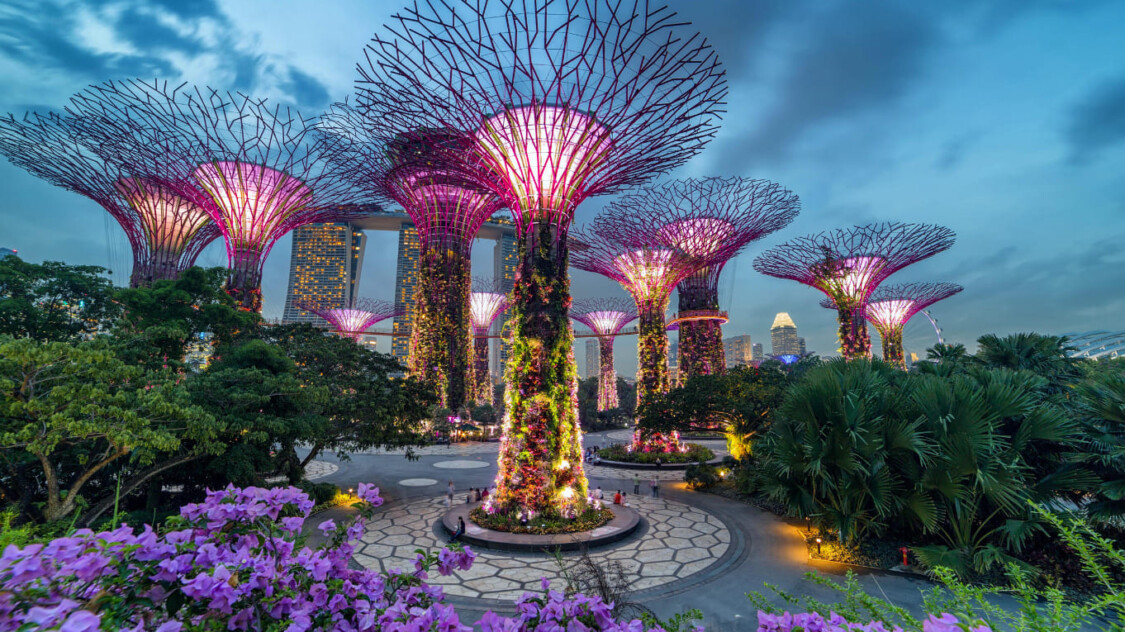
x: 605, y: 317
x: 715, y: 219
x: 419, y: 171
x: 166, y: 231
x: 848, y: 264
x: 256, y: 168
x: 636, y: 255
x: 487, y: 302
x: 563, y: 99
x: 891, y: 306
x: 352, y: 322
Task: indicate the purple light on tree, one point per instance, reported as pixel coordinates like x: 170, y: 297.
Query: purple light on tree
x: 712, y: 219
x: 424, y: 172
x: 255, y: 168
x: 486, y: 304
x: 892, y: 306
x: 565, y: 99
x: 635, y: 255
x: 605, y: 317
x: 166, y: 231
x: 352, y: 322
x: 848, y: 264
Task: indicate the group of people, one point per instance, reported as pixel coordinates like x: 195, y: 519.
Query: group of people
x: 476, y: 495
x: 590, y: 455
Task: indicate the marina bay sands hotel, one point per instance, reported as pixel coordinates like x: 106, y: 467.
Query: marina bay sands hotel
x: 327, y: 260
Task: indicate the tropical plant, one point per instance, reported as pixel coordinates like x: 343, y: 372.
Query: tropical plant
x: 53, y: 301
x: 1101, y: 406
x: 1045, y: 356
x: 841, y: 450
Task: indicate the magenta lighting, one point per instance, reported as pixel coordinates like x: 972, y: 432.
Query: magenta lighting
x: 425, y: 172
x: 605, y: 317
x: 352, y: 322
x: 848, y: 264
x: 712, y: 219
x: 165, y: 231
x: 487, y: 302
x: 635, y: 255
x: 562, y: 100
x: 891, y: 306
x: 253, y: 167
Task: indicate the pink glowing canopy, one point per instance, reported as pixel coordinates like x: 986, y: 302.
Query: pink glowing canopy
x: 544, y: 153
x: 605, y: 316
x: 698, y: 236
x: 252, y: 203
x: 169, y: 221
x: 352, y: 322
x: 485, y: 307
x: 855, y: 277
x: 606, y: 322
x: 890, y: 313
x: 645, y: 271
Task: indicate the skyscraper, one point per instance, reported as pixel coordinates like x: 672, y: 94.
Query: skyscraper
x: 324, y: 269
x: 406, y: 281
x: 756, y: 353
x: 674, y: 362
x: 593, y: 358
x: 783, y: 336
x: 738, y: 350
x: 505, y: 257
x: 801, y: 346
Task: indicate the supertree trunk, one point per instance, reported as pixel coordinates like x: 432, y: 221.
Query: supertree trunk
x: 892, y: 346
x: 855, y: 342
x: 701, y: 341
x: 440, y: 334
x: 652, y: 373
x: 607, y: 376
x: 482, y: 381
x: 245, y: 281
x: 540, y: 464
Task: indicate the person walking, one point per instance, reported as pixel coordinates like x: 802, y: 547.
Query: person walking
x: 449, y: 495
x: 636, y: 484
x: 655, y: 486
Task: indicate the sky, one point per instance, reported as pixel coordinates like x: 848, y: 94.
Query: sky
x: 1003, y: 119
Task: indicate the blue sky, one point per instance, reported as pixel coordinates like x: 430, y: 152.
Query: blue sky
x: 1004, y: 120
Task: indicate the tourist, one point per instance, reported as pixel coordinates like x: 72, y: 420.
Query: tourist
x: 658, y: 463
x: 477, y: 495
x: 484, y: 494
x: 460, y: 529
x: 655, y: 487
x: 617, y: 498
x: 636, y: 484
x: 624, y: 499
x: 469, y: 496
x: 598, y: 493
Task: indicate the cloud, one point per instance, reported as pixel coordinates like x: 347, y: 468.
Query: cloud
x: 307, y: 91
x: 1097, y: 122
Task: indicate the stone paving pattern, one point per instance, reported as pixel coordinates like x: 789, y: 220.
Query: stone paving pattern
x: 680, y: 541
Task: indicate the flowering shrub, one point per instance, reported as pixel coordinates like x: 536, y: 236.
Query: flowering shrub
x: 686, y: 453
x: 810, y: 621
x: 554, y: 611
x: 229, y: 562
x: 593, y: 517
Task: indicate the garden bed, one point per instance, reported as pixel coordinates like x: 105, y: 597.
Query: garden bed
x: 542, y: 525
x: 617, y: 453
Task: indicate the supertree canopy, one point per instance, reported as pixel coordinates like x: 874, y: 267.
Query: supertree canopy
x: 848, y: 264
x: 487, y: 302
x: 891, y: 306
x: 424, y: 172
x: 635, y: 255
x: 605, y: 317
x: 166, y: 231
x: 564, y: 99
x: 714, y: 219
x: 352, y: 322
x: 255, y: 168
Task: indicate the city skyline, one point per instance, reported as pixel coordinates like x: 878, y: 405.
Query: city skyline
x: 997, y: 120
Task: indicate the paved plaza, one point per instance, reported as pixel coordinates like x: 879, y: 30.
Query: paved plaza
x: 694, y: 550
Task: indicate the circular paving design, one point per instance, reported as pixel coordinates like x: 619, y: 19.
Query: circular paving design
x: 680, y: 541
x: 417, y: 482
x: 460, y: 465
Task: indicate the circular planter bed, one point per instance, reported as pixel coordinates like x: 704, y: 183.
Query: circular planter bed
x: 616, y: 456
x: 625, y: 521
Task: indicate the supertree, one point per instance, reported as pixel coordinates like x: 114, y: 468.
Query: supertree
x: 713, y: 219
x: 605, y: 317
x: 166, y: 231
x: 488, y: 301
x: 848, y: 264
x: 254, y: 167
x: 352, y: 322
x: 423, y: 172
x: 635, y: 255
x: 564, y: 99
x: 891, y: 306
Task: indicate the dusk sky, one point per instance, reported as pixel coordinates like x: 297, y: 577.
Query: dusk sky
x: 1003, y: 120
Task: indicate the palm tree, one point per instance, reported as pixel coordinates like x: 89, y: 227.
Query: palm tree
x: 1047, y: 356
x: 947, y: 352
x: 1101, y: 404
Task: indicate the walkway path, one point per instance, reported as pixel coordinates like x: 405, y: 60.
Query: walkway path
x: 758, y: 547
